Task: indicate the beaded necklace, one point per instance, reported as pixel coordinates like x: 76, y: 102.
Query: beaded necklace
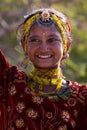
x: 45, y: 77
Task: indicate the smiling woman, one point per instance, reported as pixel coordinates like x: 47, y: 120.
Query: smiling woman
x: 42, y: 99
x: 45, y: 51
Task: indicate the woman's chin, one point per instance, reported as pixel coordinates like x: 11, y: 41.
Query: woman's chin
x: 45, y: 66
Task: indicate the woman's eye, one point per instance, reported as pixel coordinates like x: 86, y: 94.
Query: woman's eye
x: 51, y: 40
x: 34, y: 40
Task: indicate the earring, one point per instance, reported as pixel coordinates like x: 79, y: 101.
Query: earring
x: 65, y: 56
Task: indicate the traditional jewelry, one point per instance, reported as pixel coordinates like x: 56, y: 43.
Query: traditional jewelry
x: 43, y: 34
x: 45, y: 15
x: 47, y: 77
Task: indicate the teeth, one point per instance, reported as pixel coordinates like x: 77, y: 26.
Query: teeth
x: 40, y: 56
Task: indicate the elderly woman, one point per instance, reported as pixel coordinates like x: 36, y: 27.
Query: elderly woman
x: 42, y: 100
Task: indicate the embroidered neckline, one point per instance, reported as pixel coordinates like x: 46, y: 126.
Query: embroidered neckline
x: 63, y: 94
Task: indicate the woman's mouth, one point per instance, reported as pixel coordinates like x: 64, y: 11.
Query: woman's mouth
x: 44, y: 56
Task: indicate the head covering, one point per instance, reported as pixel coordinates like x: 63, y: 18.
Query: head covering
x: 45, y: 16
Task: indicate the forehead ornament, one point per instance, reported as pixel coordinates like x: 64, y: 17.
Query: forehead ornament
x: 45, y: 16
x: 44, y: 34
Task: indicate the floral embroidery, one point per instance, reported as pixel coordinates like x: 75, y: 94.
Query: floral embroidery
x: 20, y: 107
x: 26, y: 128
x: 31, y: 113
x: 73, y: 123
x: 72, y: 102
x: 21, y: 95
x: 75, y: 112
x: 27, y: 90
x: 75, y: 90
x: 37, y: 99
x: 49, y: 115
x: 19, y: 123
x: 19, y: 77
x: 83, y: 94
x: 64, y: 127
x: 65, y: 116
x: 12, y: 90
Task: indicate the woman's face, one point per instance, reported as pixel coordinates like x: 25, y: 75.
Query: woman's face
x: 45, y: 46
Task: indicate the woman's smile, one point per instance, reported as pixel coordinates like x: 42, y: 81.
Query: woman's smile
x: 45, y: 51
x: 44, y: 56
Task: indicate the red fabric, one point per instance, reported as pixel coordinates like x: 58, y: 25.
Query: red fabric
x: 22, y: 110
x: 3, y: 65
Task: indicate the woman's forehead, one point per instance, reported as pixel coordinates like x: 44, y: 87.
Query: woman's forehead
x: 37, y: 28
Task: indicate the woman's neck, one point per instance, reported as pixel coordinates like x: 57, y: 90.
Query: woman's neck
x: 48, y: 72
x: 44, y: 81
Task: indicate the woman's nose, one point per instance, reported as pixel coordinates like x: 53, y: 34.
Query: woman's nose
x: 44, y: 46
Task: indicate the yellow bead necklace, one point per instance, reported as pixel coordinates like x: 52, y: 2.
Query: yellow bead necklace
x: 45, y: 77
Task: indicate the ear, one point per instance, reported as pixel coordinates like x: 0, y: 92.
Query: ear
x: 65, y: 56
x: 63, y: 60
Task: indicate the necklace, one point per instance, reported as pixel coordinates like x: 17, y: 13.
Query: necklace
x: 40, y: 78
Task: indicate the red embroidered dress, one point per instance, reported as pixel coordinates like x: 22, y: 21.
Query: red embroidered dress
x: 21, y: 110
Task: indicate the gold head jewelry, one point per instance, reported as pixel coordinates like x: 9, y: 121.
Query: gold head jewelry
x: 45, y: 16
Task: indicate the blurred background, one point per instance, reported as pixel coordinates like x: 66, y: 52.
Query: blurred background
x: 11, y: 15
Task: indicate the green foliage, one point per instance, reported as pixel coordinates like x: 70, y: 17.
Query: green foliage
x: 76, y: 10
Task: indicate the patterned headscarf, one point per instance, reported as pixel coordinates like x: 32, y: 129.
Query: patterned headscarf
x: 45, y: 16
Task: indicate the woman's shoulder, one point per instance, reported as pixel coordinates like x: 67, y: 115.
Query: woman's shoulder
x: 79, y: 91
x: 77, y: 86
